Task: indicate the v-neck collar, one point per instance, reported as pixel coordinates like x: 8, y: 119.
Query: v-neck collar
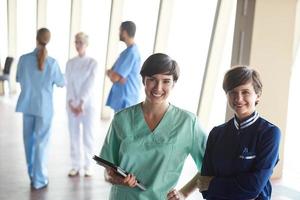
x: 160, y: 125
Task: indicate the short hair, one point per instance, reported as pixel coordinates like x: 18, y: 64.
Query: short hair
x: 82, y: 37
x: 160, y: 63
x: 129, y: 27
x: 240, y: 75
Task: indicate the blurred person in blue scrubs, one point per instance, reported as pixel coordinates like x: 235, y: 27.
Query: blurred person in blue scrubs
x: 152, y: 139
x: 124, y: 74
x: 81, y: 72
x: 37, y: 73
x: 241, y: 154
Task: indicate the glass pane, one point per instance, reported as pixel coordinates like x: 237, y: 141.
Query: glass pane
x: 3, y: 32
x: 217, y: 115
x: 97, y: 29
x: 291, y: 168
x: 58, y: 21
x: 26, y: 26
x: 144, y: 14
x: 190, y: 31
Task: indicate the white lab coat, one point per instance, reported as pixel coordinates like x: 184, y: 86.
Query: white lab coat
x: 81, y: 73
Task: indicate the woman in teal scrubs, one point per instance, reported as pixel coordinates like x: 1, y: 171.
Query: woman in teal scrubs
x: 152, y: 139
x: 37, y: 73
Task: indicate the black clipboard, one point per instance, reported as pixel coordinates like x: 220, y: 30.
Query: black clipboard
x: 117, y: 169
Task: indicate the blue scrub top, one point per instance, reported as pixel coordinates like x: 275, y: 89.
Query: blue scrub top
x: 37, y: 86
x: 128, y: 65
x: 241, y: 157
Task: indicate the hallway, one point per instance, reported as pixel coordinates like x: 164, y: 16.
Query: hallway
x: 14, y: 180
x: 15, y: 183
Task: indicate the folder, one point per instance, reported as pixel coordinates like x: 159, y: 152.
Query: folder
x: 117, y: 169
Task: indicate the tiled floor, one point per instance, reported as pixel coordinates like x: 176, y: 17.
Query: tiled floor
x: 13, y: 177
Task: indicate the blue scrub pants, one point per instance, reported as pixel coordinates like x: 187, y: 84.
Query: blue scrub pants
x: 36, y: 132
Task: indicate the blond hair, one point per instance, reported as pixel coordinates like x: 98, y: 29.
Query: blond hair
x: 82, y: 37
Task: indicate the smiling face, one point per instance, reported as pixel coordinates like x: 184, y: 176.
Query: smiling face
x: 158, y: 88
x: 242, y: 99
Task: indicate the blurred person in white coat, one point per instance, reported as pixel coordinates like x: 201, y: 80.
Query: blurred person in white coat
x: 81, y: 72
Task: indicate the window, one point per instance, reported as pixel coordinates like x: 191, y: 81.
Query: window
x: 188, y: 44
x: 217, y: 115
x: 291, y: 163
x: 26, y: 26
x: 95, y: 23
x: 144, y: 14
x: 3, y: 32
x: 58, y: 22
x: 190, y: 32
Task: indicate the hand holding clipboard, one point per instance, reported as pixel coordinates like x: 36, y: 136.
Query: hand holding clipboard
x: 116, y: 169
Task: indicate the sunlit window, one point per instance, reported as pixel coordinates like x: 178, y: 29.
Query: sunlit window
x: 292, y: 165
x: 189, y: 38
x: 3, y: 32
x: 144, y: 14
x: 58, y: 21
x: 95, y: 23
x: 26, y: 26
x: 217, y: 115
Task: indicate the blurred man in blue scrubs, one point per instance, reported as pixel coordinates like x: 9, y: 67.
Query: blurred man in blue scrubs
x: 125, y: 72
x: 37, y: 73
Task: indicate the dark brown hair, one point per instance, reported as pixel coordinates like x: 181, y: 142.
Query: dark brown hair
x: 129, y: 27
x: 240, y: 75
x: 160, y: 63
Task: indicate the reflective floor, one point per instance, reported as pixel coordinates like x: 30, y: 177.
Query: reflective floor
x: 15, y: 183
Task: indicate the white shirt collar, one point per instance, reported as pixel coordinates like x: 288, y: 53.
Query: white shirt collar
x: 247, y: 122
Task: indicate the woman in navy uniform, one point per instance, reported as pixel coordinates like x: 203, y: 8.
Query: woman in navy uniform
x: 240, y: 154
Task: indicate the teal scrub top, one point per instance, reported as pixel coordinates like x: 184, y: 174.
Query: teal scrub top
x: 156, y: 157
x: 37, y: 86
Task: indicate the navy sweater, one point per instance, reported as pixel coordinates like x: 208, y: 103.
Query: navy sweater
x: 241, y: 157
